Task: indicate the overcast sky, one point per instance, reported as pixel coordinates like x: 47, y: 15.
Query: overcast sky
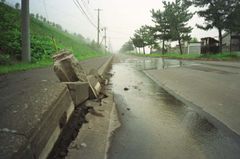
x: 121, y: 17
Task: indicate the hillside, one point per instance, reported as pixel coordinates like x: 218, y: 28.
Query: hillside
x: 46, y: 39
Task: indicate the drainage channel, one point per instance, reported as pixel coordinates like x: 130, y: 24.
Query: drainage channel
x: 69, y: 132
x: 157, y: 125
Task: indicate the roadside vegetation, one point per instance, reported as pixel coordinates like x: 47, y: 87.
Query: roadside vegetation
x: 46, y: 39
x: 216, y: 57
x: 171, y: 25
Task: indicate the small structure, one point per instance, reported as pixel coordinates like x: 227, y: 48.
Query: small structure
x: 209, y: 45
x: 231, y: 42
x: 194, y: 48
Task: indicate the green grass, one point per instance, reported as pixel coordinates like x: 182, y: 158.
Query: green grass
x: 25, y: 66
x: 222, y: 57
x: 5, y: 69
x: 65, y: 40
x: 44, y: 46
x: 217, y: 57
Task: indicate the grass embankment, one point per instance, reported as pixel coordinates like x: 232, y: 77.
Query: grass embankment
x: 213, y: 57
x: 46, y: 39
x: 24, y: 66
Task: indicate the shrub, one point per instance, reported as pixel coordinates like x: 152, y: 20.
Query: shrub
x: 5, y: 59
x: 41, y: 47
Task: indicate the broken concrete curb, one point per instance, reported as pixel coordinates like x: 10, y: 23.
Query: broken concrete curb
x: 79, y: 91
x: 36, y: 127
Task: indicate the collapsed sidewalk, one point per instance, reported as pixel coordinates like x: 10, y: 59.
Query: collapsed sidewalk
x: 35, y: 107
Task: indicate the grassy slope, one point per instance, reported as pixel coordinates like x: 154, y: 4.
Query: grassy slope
x: 63, y: 40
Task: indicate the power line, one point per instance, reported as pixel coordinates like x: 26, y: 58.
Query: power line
x: 86, y: 6
x: 45, y: 8
x: 86, y: 14
x: 79, y: 6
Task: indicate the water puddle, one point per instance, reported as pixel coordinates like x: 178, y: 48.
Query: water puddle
x: 156, y: 125
x: 159, y: 63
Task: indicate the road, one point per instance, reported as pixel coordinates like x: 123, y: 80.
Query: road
x: 155, y: 124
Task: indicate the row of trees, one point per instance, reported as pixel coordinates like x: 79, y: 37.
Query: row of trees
x: 220, y: 14
x: 43, y: 19
x: 39, y: 17
x: 171, y: 23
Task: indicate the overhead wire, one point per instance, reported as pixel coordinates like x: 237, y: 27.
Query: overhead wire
x: 45, y: 8
x: 84, y: 9
x: 86, y: 6
x: 78, y: 6
x: 76, y: 2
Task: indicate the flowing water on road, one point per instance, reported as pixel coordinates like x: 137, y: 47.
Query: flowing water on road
x: 155, y: 125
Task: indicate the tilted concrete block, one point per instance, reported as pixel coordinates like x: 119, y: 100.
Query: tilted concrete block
x: 61, y: 55
x: 68, y: 69
x: 79, y: 91
x: 61, y: 73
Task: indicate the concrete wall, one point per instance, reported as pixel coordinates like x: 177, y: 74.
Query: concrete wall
x: 177, y: 50
x: 227, y: 41
x: 194, y: 48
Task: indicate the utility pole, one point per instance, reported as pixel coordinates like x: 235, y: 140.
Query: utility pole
x: 26, y: 52
x: 105, y: 39
x: 98, y: 25
x: 109, y: 46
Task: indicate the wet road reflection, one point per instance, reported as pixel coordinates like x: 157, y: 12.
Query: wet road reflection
x: 155, y: 125
x: 160, y: 63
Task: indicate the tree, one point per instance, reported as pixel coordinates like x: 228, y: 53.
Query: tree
x: 233, y: 19
x: 162, y: 27
x: 177, y: 15
x: 148, y: 36
x: 142, y: 36
x: 137, y: 41
x: 17, y: 5
x: 3, y: 1
x: 32, y: 15
x: 37, y: 16
x: 216, y: 14
x: 128, y: 46
x: 58, y: 26
x: 41, y: 17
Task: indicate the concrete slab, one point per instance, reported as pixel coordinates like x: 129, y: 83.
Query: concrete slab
x: 11, y: 143
x: 93, y: 139
x: 79, y: 91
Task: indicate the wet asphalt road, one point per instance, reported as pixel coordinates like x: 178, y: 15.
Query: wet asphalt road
x: 155, y: 125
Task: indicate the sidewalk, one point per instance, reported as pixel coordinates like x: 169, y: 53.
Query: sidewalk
x: 30, y: 106
x: 212, y: 87
x: 93, y: 140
